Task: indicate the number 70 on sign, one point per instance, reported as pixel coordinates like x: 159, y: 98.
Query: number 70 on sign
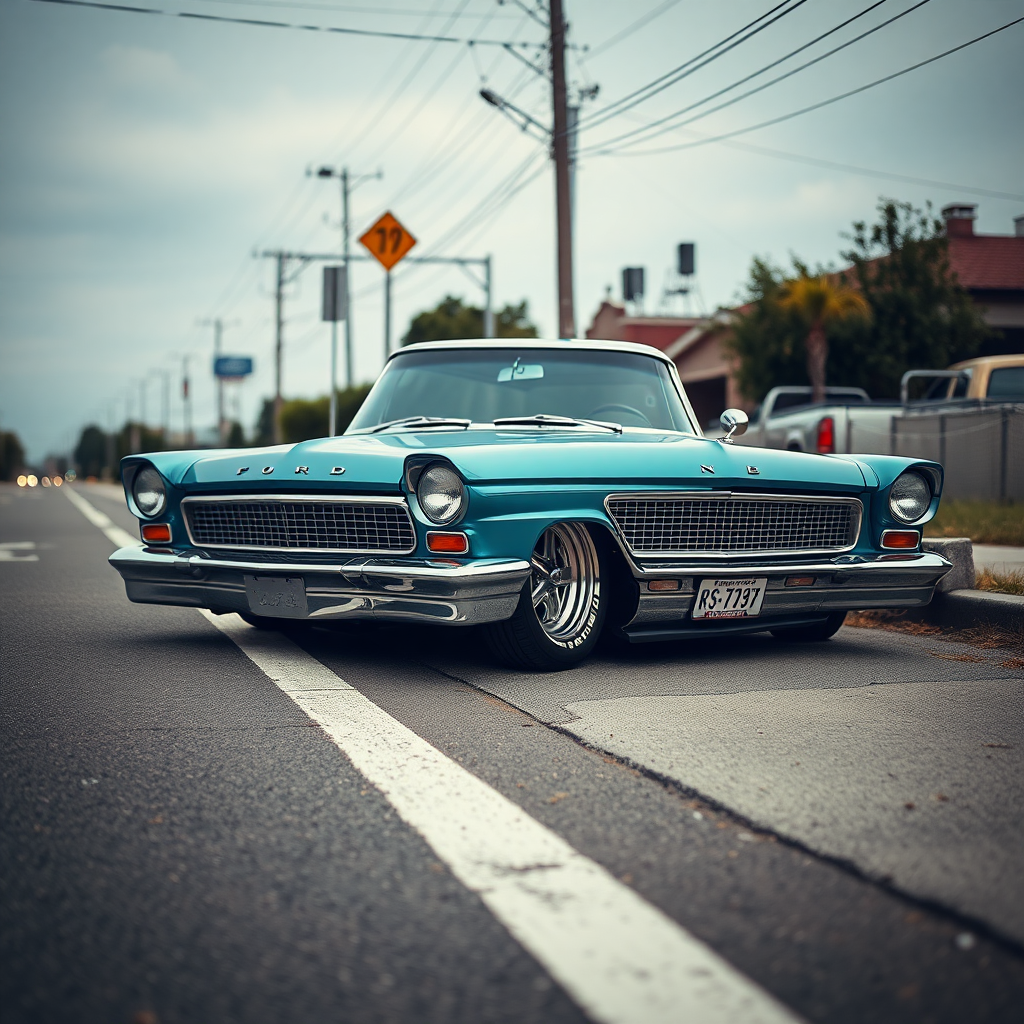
x: 387, y: 241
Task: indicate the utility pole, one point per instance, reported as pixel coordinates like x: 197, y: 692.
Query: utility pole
x: 186, y: 404
x: 560, y: 152
x: 278, y: 343
x: 218, y: 337
x: 134, y: 441
x: 347, y: 182
x: 488, y: 303
x: 218, y: 326
x: 111, y: 457
x: 165, y: 404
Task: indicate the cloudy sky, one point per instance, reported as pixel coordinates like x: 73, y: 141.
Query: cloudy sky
x: 145, y: 158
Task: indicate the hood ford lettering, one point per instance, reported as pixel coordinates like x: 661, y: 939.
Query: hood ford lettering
x: 304, y: 470
x: 241, y: 470
x: 267, y: 470
x: 707, y: 469
x: 753, y: 471
x: 337, y: 470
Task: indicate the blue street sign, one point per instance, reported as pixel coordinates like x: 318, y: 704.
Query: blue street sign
x: 232, y: 366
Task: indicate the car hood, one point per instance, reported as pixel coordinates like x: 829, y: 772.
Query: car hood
x: 375, y: 462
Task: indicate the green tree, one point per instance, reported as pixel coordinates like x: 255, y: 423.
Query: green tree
x: 12, y: 455
x: 148, y: 440
x: 302, y: 418
x: 767, y: 340
x: 263, y: 433
x: 91, y: 451
x: 451, y: 320
x: 236, y: 435
x: 920, y: 317
x: 822, y: 304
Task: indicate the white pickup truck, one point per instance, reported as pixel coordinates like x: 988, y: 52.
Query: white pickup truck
x: 849, y: 422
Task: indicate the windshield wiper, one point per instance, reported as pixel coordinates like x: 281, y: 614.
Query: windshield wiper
x: 545, y: 420
x: 422, y: 421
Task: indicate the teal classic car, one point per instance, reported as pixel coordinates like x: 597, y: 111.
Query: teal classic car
x: 547, y: 491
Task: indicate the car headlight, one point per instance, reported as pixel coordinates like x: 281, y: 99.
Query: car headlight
x: 910, y: 497
x: 441, y: 495
x: 149, y: 491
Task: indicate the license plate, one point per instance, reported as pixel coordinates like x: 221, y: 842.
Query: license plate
x: 282, y: 597
x: 729, y: 599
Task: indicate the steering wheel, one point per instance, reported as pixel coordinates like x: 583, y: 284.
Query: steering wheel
x: 615, y: 407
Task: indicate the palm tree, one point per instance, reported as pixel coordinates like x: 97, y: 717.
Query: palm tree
x: 821, y: 303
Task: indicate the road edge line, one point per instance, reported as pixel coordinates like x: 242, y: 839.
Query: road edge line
x: 120, y: 538
x: 621, y: 959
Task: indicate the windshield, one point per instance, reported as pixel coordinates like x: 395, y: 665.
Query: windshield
x: 483, y: 385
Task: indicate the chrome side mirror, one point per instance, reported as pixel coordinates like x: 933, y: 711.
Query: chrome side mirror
x: 734, y: 421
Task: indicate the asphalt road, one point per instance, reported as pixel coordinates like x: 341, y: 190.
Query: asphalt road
x: 188, y: 837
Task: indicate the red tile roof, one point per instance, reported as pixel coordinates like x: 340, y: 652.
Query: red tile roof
x: 988, y: 261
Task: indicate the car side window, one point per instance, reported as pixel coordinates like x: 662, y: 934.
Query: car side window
x: 960, y: 385
x: 1006, y: 382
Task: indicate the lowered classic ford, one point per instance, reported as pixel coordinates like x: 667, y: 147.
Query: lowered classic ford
x: 548, y: 491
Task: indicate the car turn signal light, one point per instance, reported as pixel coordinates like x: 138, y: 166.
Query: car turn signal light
x: 827, y: 436
x: 156, y: 533
x: 800, y: 581
x: 900, y: 538
x: 448, y: 543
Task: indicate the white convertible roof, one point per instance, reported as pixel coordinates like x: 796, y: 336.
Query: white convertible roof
x: 566, y: 345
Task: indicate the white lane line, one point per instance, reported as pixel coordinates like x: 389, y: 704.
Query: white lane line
x: 621, y: 959
x: 9, y: 551
x: 122, y: 538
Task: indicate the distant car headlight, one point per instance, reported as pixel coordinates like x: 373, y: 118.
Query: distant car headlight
x: 910, y: 497
x: 441, y: 495
x: 149, y: 491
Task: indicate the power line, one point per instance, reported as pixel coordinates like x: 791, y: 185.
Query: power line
x: 346, y: 8
x: 870, y: 172
x: 260, y: 23
x: 424, y: 98
x: 761, y: 71
x: 374, y: 120
x: 374, y: 117
x: 813, y: 106
x: 687, y: 68
x: 631, y: 28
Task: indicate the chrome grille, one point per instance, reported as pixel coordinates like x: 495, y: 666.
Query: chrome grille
x: 733, y: 524
x: 348, y: 525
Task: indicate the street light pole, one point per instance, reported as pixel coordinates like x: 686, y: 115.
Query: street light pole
x: 346, y: 238
x: 347, y: 182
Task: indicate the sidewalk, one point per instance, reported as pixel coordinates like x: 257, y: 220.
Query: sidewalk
x: 998, y: 558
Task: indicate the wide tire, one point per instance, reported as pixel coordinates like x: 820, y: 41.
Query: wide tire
x: 811, y: 634
x: 561, y: 609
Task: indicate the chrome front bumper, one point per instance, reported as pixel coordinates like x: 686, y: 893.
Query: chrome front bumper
x: 845, y: 583
x: 410, y: 589
x: 429, y: 590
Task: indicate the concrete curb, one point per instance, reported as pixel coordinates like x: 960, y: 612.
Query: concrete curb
x: 966, y: 609
x: 957, y: 605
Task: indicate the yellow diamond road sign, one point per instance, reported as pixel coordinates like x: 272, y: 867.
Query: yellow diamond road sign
x: 387, y: 241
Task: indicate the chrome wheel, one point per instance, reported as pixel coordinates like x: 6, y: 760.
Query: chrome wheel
x: 565, y: 582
